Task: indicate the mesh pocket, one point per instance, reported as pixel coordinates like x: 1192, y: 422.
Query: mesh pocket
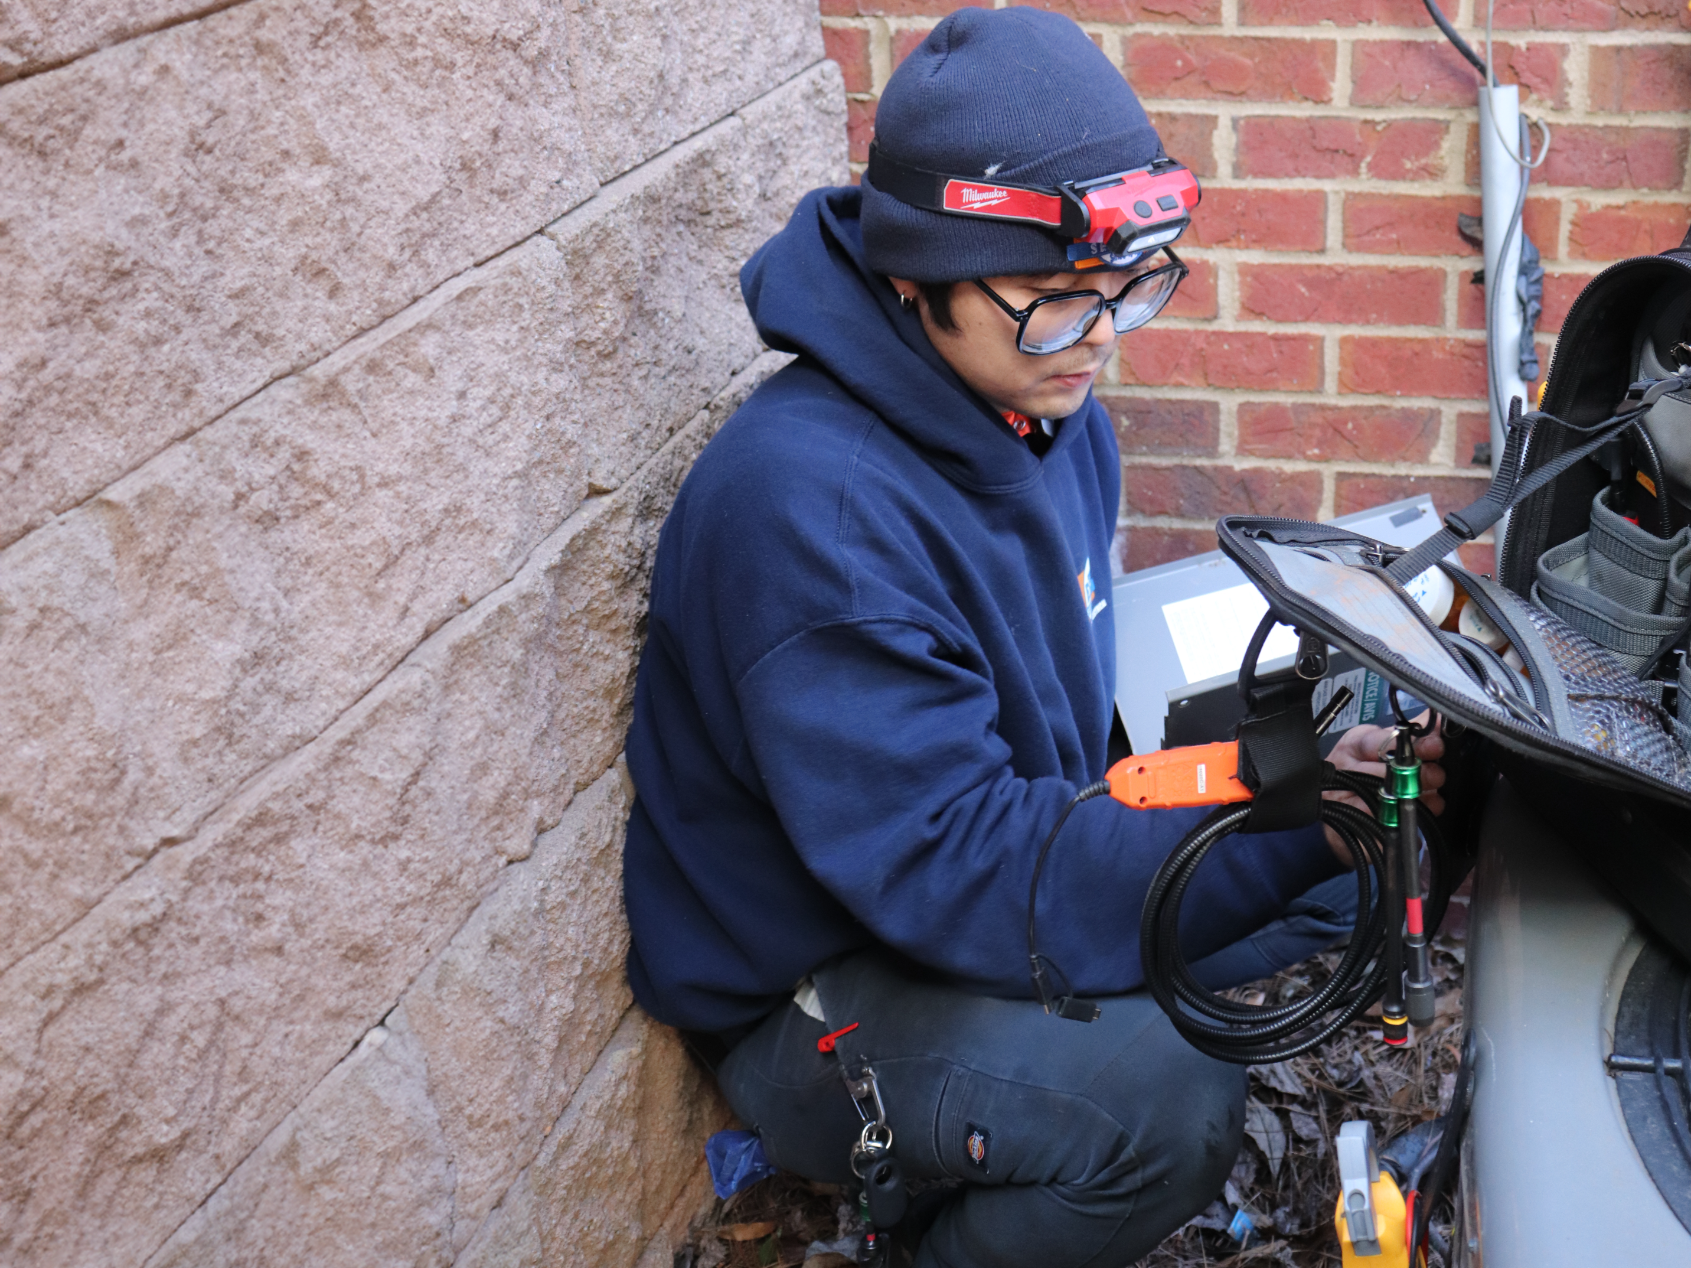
x: 1613, y: 712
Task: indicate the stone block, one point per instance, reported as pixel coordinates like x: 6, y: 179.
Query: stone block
x: 615, y: 1165
x: 648, y: 72
x: 514, y: 1011
x: 359, y: 1173
x: 150, y: 1047
x: 216, y: 608
x: 38, y: 34
x: 196, y: 213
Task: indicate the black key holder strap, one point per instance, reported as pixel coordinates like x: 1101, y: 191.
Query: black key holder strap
x: 1279, y: 759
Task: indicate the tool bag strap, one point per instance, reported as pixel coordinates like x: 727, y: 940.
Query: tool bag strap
x: 1510, y: 487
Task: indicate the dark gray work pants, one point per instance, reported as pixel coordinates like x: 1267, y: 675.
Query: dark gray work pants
x: 1097, y: 1140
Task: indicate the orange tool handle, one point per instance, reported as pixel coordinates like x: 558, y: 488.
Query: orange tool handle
x: 1201, y: 775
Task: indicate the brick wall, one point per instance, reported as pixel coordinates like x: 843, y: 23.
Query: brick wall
x: 1327, y: 352
x: 350, y: 356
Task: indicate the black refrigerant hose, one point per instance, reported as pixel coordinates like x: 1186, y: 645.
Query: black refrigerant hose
x: 1252, y: 1034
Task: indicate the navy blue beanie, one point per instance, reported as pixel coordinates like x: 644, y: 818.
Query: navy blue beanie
x: 1019, y: 95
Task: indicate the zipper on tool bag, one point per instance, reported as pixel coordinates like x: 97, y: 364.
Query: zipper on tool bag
x: 1529, y: 522
x: 1290, y: 607
x: 1506, y: 624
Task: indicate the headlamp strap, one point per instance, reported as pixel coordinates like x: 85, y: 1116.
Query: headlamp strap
x: 1056, y: 209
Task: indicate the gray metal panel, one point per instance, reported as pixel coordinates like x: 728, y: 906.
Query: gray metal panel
x: 1147, y: 665
x: 1550, y: 1176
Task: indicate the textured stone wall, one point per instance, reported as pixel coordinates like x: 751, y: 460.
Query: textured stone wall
x: 1326, y: 354
x: 350, y: 357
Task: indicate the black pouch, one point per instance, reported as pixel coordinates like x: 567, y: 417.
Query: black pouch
x: 1579, y: 709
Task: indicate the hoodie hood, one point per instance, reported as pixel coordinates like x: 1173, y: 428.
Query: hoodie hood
x: 810, y: 292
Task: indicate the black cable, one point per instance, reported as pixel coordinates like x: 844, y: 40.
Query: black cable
x: 1036, y: 961
x: 1456, y: 1120
x: 1248, y: 1034
x: 1443, y: 24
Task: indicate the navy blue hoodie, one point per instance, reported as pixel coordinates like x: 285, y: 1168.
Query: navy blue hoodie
x: 880, y: 662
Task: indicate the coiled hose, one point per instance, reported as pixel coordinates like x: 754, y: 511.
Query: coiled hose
x: 1249, y: 1034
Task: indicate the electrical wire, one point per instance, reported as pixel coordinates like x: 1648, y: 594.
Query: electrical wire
x: 1528, y: 163
x: 1443, y: 24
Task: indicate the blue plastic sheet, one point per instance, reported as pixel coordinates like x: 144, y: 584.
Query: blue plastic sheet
x: 737, y: 1161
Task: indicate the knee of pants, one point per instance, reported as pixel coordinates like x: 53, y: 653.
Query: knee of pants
x: 1188, y: 1137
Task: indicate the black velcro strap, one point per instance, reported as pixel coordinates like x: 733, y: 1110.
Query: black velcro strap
x: 1279, y: 760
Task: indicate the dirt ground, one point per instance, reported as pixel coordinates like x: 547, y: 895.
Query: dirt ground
x: 1285, y: 1179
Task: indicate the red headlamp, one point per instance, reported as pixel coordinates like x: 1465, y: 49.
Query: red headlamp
x: 1112, y: 220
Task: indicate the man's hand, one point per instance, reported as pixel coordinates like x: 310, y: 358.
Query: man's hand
x: 1366, y: 749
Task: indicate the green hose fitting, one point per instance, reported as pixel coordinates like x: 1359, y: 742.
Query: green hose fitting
x: 1404, y: 782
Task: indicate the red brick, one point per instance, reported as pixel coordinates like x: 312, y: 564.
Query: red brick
x: 1211, y: 492
x: 1615, y: 158
x: 860, y: 128
x: 1316, y: 12
x: 1473, y: 427
x: 1358, y: 492
x: 1273, y: 219
x: 1189, y: 137
x: 1548, y: 15
x: 1196, y: 296
x: 849, y: 46
x: 1470, y: 302
x: 1230, y: 67
x: 1407, y: 224
x: 1614, y: 233
x: 1406, y: 150
x: 1161, y: 426
x: 905, y: 43
x: 1140, y: 546
x: 1480, y: 557
x: 1337, y: 433
x: 1221, y: 358
x: 1399, y: 149
x: 1354, y: 294
x: 1197, y: 12
x: 1432, y: 73
x: 1639, y: 77
x: 1652, y: 15
x: 1543, y: 219
x: 898, y: 8
x: 1560, y: 291
x: 1453, y: 369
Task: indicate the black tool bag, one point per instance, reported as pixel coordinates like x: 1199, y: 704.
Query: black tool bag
x: 1583, y: 705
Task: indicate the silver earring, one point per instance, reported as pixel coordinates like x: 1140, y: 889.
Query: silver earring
x: 906, y: 302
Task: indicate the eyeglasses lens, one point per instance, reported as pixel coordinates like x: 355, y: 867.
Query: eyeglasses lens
x: 1060, y: 323
x: 1144, y: 300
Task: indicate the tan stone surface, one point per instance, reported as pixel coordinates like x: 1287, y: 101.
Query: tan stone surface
x: 37, y: 34
x: 148, y: 1049
x: 690, y: 1208
x: 612, y: 1170
x: 359, y: 1174
x: 650, y: 72
x: 192, y: 214
x: 514, y: 1011
x: 218, y: 607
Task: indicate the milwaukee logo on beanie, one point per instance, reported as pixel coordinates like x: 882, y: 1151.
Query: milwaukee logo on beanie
x: 1017, y: 95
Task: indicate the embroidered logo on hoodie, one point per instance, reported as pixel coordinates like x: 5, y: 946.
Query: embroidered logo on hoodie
x: 1088, y: 593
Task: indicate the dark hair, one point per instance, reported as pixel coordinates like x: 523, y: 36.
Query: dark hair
x: 938, y: 295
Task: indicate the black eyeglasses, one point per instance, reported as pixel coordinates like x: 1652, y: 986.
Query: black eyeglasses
x: 1054, y: 322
